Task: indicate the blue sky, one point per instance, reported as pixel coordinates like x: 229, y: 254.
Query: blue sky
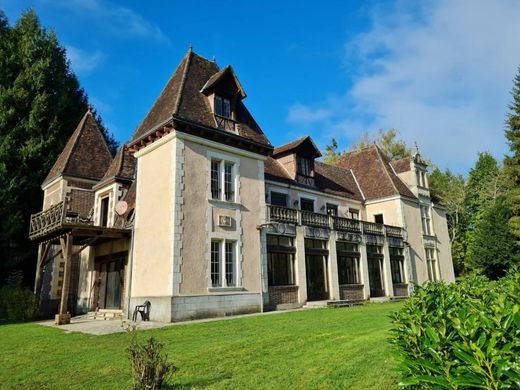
x: 438, y: 71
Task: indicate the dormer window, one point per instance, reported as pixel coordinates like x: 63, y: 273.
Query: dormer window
x: 305, y: 166
x: 222, y: 106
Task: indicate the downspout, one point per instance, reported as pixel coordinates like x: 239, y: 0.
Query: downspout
x: 130, y: 268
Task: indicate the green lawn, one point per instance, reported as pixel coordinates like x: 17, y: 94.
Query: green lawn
x: 321, y: 348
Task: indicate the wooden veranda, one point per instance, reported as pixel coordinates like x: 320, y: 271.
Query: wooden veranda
x: 57, y: 226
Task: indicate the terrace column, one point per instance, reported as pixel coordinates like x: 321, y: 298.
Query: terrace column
x: 364, y: 269
x: 301, y: 275
x: 333, y: 268
x: 66, y: 247
x: 387, y: 271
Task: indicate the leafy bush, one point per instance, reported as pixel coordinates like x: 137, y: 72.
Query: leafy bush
x: 462, y: 335
x: 17, y: 303
x: 150, y: 366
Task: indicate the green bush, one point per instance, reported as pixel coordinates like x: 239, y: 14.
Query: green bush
x: 150, y: 366
x: 462, y: 335
x: 17, y: 303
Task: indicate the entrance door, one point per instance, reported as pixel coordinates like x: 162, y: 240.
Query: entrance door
x: 375, y: 276
x: 113, y: 285
x: 316, y: 269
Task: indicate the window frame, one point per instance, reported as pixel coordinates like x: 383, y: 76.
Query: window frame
x: 331, y: 206
x: 223, y: 186
x: 278, y: 193
x: 219, y: 266
x: 379, y: 215
x: 220, y: 105
x: 307, y: 200
x: 104, y: 211
x: 431, y: 264
x: 304, y: 166
x: 426, y: 220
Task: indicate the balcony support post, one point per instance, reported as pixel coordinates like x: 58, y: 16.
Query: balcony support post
x: 63, y: 317
x: 43, y: 250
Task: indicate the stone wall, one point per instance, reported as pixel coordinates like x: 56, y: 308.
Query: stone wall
x: 279, y: 295
x: 351, y: 292
x: 400, y: 290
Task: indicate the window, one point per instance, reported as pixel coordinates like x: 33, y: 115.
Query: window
x: 421, y: 179
x: 426, y: 220
x: 374, y: 249
x: 311, y: 243
x: 222, y: 106
x: 397, y: 264
x: 304, y: 166
x: 306, y: 204
x: 280, y: 269
x: 222, y: 172
x: 332, y: 209
x: 354, y: 214
x: 348, y: 262
x: 378, y: 218
x: 103, y: 216
x: 223, y: 263
x: 431, y: 264
x: 278, y: 199
x: 280, y: 241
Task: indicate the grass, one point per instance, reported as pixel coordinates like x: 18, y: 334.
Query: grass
x: 312, y: 349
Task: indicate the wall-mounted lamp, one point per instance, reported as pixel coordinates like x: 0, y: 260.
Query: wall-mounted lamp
x: 295, y: 203
x: 322, y: 208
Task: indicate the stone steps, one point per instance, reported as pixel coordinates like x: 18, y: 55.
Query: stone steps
x: 105, y: 314
x: 329, y: 303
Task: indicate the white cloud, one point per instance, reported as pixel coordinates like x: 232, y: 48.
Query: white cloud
x: 83, y: 62
x: 300, y: 114
x: 441, y: 74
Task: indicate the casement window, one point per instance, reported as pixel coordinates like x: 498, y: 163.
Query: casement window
x: 378, y: 218
x: 348, y: 262
x: 222, y: 106
x: 223, y: 263
x: 280, y: 269
x: 397, y: 264
x: 332, y: 209
x: 222, y: 180
x: 426, y: 220
x: 311, y: 243
x: 306, y: 204
x: 354, y: 214
x: 103, y: 214
x: 431, y: 264
x: 278, y: 199
x: 421, y: 179
x: 305, y: 166
x: 374, y: 250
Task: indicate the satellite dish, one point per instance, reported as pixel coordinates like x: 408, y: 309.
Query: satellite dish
x: 121, y: 207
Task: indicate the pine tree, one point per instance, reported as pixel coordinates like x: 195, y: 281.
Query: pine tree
x: 41, y: 103
x: 389, y: 141
x: 512, y: 161
x: 331, y: 153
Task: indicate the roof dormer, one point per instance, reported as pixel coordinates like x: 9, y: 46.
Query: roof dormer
x: 224, y: 91
x: 297, y: 158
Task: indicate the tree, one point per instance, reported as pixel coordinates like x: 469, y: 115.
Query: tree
x: 512, y: 161
x: 389, y: 141
x: 493, y: 250
x: 450, y: 190
x: 41, y: 103
x: 331, y: 153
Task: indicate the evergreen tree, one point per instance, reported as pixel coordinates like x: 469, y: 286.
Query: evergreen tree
x: 41, y: 103
x: 331, y: 153
x: 389, y: 141
x: 512, y: 161
x: 493, y: 250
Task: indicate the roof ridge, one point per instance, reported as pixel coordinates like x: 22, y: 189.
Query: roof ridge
x: 183, y: 81
x: 74, y: 140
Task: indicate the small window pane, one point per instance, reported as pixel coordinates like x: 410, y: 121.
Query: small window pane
x: 229, y: 191
x: 332, y: 209
x: 226, y: 108
x: 218, y: 105
x: 378, y: 218
x: 307, y: 204
x: 215, y: 264
x: 348, y: 270
x: 230, y: 264
x: 215, y: 179
x: 278, y: 199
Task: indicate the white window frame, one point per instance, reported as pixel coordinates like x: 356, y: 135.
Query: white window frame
x: 235, y: 176
x: 426, y: 220
x: 431, y: 263
x: 222, y: 243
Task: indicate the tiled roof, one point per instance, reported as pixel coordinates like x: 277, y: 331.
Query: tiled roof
x: 374, y: 174
x: 213, y: 80
x: 328, y: 179
x: 295, y: 145
x: 182, y: 98
x: 122, y: 166
x: 402, y: 165
x: 85, y: 155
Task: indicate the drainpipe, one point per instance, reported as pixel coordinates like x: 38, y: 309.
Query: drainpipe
x: 130, y: 267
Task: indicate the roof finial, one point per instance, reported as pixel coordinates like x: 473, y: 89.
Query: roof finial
x: 416, y: 147
x: 191, y: 47
x: 214, y: 60
x: 89, y: 108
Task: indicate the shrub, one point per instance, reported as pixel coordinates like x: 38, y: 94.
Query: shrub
x: 462, y: 335
x: 150, y: 366
x: 17, y: 303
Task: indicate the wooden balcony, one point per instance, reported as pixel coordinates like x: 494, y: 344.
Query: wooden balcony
x: 47, y: 221
x: 224, y: 123
x: 346, y: 225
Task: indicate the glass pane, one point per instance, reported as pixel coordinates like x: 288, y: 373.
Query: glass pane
x: 230, y: 264
x: 226, y: 108
x: 215, y: 180
x: 215, y: 264
x: 229, y: 191
x: 278, y: 199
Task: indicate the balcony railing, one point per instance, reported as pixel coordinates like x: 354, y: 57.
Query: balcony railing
x: 224, y: 123
x: 346, y: 224
x: 314, y: 219
x: 47, y: 221
x: 309, y: 218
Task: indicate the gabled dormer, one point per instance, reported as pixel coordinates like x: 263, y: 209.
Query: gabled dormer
x: 297, y: 158
x: 224, y: 92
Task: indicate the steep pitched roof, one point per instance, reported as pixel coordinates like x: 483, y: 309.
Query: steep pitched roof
x: 402, y: 165
x: 85, y: 155
x: 182, y: 98
x: 327, y: 178
x: 122, y: 166
x: 374, y: 173
x: 296, y: 144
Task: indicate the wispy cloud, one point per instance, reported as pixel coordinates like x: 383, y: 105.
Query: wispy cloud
x: 118, y: 20
x: 83, y: 62
x: 440, y: 72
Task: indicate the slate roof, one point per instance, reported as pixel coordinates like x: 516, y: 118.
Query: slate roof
x: 86, y: 153
x: 122, y: 166
x: 327, y: 178
x: 374, y: 173
x: 294, y: 145
x: 182, y: 98
x: 402, y: 165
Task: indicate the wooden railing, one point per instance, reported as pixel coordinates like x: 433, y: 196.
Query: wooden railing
x: 224, y: 123
x: 282, y: 214
x: 346, y: 224
x: 47, y: 221
x: 393, y: 231
x: 310, y: 218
